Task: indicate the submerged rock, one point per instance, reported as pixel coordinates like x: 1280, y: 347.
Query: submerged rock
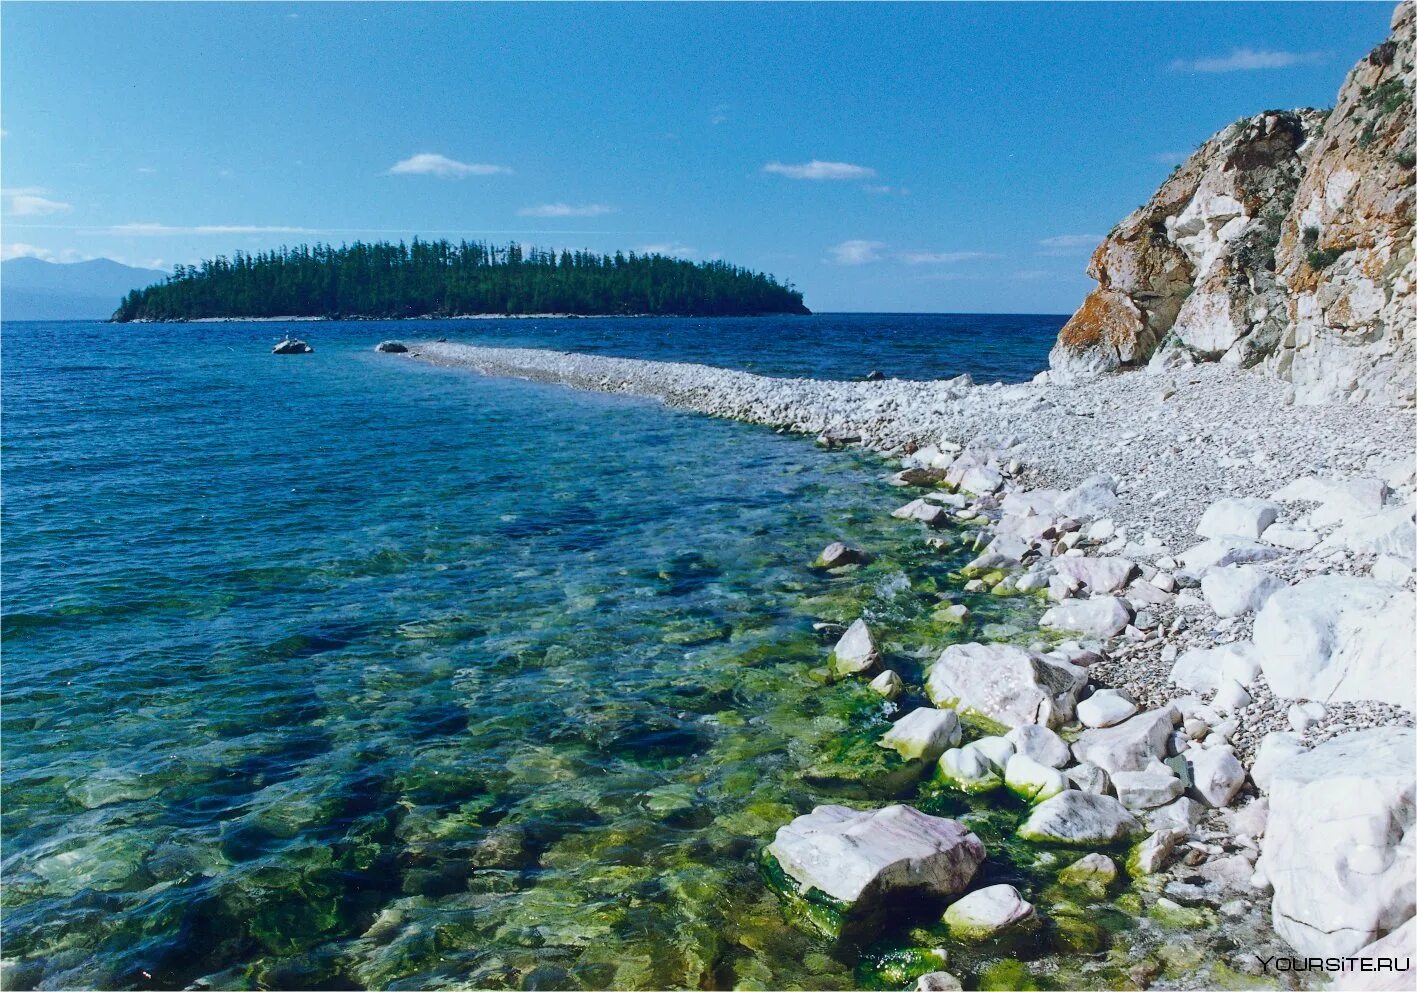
x: 838, y: 555
x: 866, y: 859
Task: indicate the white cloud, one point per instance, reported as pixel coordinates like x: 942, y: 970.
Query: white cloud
x: 566, y: 210
x: 146, y: 170
x: 674, y: 249
x: 719, y: 114
x: 1170, y: 158
x: 1069, y: 244
x: 856, y: 252
x: 817, y: 169
x: 18, y: 249
x: 28, y: 203
x: 887, y: 190
x: 161, y: 230
x: 429, y: 164
x: 1035, y: 275
x: 1246, y: 59
x: 916, y: 257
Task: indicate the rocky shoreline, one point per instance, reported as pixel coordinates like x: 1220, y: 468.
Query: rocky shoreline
x: 1228, y: 583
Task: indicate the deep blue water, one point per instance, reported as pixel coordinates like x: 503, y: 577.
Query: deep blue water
x: 338, y: 670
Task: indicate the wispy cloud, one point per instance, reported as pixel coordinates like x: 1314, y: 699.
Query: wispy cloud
x: 719, y: 114
x: 917, y: 257
x: 672, y: 248
x: 1068, y: 244
x: 1246, y: 60
x: 1170, y: 158
x: 430, y: 164
x: 861, y: 252
x: 29, y: 201
x: 817, y: 169
x: 163, y: 230
x: 18, y: 249
x: 566, y: 210
x: 886, y: 190
x: 856, y: 252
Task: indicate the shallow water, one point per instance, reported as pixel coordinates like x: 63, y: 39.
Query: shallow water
x: 339, y: 670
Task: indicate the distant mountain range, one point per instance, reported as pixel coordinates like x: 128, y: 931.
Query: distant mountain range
x: 33, y: 289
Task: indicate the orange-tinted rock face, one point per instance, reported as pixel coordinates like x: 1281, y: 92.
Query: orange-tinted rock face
x: 1286, y: 239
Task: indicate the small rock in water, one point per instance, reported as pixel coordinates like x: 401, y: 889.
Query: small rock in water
x: 888, y: 684
x: 292, y: 346
x: 837, y: 555
x: 856, y: 651
x: 392, y: 347
x: 923, y: 734
x: 986, y: 912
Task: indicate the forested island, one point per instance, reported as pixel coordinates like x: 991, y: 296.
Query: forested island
x: 443, y: 279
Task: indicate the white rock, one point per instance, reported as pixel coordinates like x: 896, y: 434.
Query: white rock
x: 1391, y: 532
x: 1105, y: 708
x: 1276, y: 749
x: 1337, y: 638
x: 997, y: 749
x: 937, y: 981
x: 968, y: 769
x: 1031, y: 780
x: 1391, y: 569
x: 1003, y: 683
x: 1040, y: 744
x: 1251, y: 819
x: 1237, y: 517
x: 1130, y: 745
x: 888, y: 684
x: 1218, y: 552
x: 1094, y: 497
x: 924, y: 511
x: 923, y: 734
x: 1089, y: 778
x: 983, y: 913
x: 856, y: 651
x: 1183, y: 814
x: 1302, y: 716
x: 1235, y: 590
x: 1097, y: 574
x: 981, y: 480
x: 1147, y: 789
x: 1100, y: 616
x: 1339, y: 843
x: 1153, y: 853
x: 1230, y: 697
x: 869, y: 858
x: 1102, y: 530
x: 1075, y: 817
x: 1294, y: 538
x: 1216, y: 774
x: 836, y: 554
x: 1204, y: 669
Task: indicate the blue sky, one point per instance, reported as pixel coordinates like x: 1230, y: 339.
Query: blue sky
x: 951, y: 157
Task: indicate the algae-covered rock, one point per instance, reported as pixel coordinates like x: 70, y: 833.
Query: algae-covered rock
x: 1094, y: 872
x: 1032, y: 781
x: 988, y: 912
x: 855, y: 652
x: 866, y: 860
x: 968, y: 770
x: 923, y: 734
x: 1075, y: 817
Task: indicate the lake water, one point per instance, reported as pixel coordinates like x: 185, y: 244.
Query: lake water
x: 342, y: 671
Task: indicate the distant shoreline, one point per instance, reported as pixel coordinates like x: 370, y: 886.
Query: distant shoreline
x: 460, y: 316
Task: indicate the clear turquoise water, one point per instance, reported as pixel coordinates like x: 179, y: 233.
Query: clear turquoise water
x: 340, y: 671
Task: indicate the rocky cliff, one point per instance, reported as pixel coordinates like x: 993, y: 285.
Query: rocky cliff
x: 1285, y: 241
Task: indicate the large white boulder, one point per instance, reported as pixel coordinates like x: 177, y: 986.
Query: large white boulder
x: 1339, y: 843
x: 1276, y: 749
x: 1339, y: 499
x: 1100, y: 616
x: 1235, y: 590
x: 1336, y: 638
x: 923, y: 734
x: 1216, y: 774
x: 856, y: 651
x: 1204, y: 669
x: 1221, y: 551
x: 1237, y: 517
x: 1391, y: 532
x: 866, y: 857
x: 1074, y: 817
x: 1003, y: 683
x: 1130, y: 746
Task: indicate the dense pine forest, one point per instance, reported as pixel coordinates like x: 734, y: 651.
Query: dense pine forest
x: 442, y: 279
